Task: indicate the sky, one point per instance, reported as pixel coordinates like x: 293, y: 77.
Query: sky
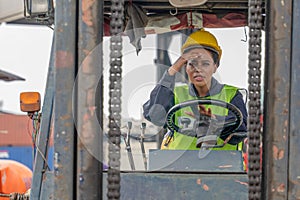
x: 25, y: 51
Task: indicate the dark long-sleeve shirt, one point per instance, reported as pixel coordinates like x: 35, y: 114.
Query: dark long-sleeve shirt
x: 162, y: 99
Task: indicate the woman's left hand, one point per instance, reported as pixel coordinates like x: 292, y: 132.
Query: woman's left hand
x: 202, y: 111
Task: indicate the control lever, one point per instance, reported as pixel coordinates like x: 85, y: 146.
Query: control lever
x: 128, y: 147
x: 142, y: 137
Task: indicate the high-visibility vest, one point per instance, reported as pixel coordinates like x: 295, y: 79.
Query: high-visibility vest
x: 184, y: 142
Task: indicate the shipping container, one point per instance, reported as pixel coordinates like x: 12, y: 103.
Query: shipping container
x: 23, y: 154
x: 15, y: 130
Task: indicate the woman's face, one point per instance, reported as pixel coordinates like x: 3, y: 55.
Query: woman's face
x: 200, y: 67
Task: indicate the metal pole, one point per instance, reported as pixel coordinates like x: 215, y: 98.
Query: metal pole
x: 162, y: 62
x: 89, y: 89
x: 294, y: 136
x: 276, y: 136
x: 40, y: 165
x: 65, y: 71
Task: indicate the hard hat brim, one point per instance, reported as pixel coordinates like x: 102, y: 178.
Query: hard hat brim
x: 199, y: 47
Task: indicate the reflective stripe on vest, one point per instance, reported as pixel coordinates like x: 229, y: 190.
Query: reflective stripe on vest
x: 183, y: 142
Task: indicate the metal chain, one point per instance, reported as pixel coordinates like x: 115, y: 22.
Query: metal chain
x: 254, y: 73
x: 114, y: 133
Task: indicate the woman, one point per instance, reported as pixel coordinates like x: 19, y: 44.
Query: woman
x: 200, y: 56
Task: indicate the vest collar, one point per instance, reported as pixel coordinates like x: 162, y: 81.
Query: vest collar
x: 215, y: 88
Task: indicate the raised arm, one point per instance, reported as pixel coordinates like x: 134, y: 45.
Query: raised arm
x: 162, y: 96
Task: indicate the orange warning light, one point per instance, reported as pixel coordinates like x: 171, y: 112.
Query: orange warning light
x: 30, y: 101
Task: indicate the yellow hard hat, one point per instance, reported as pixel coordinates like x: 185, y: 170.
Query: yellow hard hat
x: 204, y: 39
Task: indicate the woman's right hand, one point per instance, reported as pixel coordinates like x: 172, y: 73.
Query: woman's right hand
x: 181, y: 62
x: 176, y: 67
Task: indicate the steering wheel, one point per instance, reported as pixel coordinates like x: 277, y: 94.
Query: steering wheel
x: 228, y: 126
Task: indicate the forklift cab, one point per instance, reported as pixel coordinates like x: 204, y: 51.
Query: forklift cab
x: 183, y: 174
